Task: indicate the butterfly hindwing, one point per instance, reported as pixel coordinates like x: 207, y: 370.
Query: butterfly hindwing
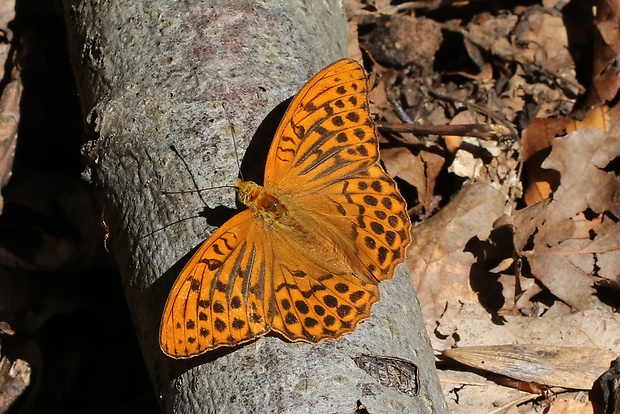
x: 366, y: 215
x: 316, y: 295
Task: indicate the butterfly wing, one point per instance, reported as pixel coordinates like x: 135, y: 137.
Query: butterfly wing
x: 325, y: 159
x: 363, y: 215
x: 326, y: 133
x: 315, y: 292
x: 220, y: 297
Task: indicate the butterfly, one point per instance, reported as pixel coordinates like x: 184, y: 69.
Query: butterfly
x: 305, y: 258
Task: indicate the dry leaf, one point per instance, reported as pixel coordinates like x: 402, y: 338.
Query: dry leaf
x: 9, y: 120
x: 570, y: 406
x: 544, y: 40
x: 566, y: 263
x: 437, y: 260
x: 536, y: 142
x: 567, y: 367
x: 606, y: 44
x: 569, y: 269
x: 14, y: 379
x: 582, y: 158
x: 420, y: 171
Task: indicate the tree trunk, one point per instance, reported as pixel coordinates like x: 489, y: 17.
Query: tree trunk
x: 160, y: 73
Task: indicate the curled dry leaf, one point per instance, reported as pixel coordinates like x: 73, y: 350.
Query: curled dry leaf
x: 609, y: 386
x: 420, y: 171
x: 567, y: 367
x: 5, y: 329
x: 397, y: 373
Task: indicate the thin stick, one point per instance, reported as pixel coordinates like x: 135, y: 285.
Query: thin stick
x: 488, y: 132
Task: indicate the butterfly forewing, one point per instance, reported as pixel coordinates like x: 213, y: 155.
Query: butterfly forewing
x: 220, y: 297
x: 326, y: 134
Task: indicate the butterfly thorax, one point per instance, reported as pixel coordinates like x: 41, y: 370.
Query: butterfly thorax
x: 263, y: 202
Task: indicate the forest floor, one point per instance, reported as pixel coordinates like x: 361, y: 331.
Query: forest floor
x: 508, y: 161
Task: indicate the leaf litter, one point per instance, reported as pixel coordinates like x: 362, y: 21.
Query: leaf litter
x: 517, y: 241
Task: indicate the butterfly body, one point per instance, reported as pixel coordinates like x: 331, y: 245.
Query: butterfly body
x: 306, y: 256
x: 265, y: 203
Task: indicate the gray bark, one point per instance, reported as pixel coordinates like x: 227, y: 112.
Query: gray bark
x: 152, y: 74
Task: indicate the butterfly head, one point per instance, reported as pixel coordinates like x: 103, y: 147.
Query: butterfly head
x: 247, y: 191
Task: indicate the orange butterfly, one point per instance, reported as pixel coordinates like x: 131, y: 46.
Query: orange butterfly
x: 305, y: 258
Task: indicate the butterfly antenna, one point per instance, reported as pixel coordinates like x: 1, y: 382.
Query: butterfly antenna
x: 232, y: 133
x: 191, y: 175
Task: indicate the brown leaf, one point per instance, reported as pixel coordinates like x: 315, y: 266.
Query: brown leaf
x: 14, y: 379
x: 567, y: 271
x: 572, y: 268
x: 567, y: 367
x: 544, y: 41
x: 439, y: 266
x: 9, y: 120
x: 527, y: 221
x: 605, y: 83
x: 420, y: 171
x: 536, y: 142
x: 571, y: 252
x: 581, y: 158
x: 570, y: 406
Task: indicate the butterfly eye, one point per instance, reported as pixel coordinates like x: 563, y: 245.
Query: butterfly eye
x: 244, y: 198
